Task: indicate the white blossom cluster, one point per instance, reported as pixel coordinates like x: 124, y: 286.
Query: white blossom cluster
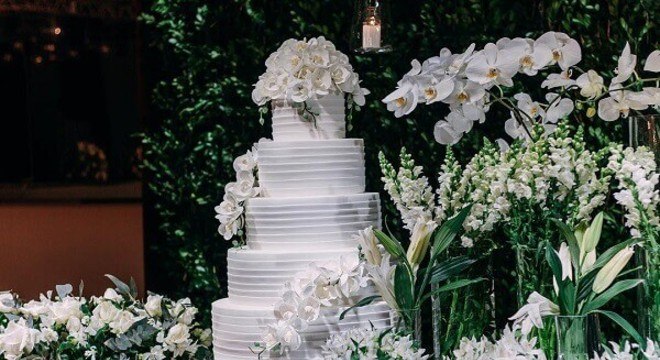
x: 553, y: 172
x: 371, y: 344
x: 629, y: 351
x: 409, y: 190
x: 65, y: 326
x: 512, y: 345
x: 231, y: 209
x: 330, y: 284
x: 635, y: 171
x: 305, y: 69
x: 470, y: 82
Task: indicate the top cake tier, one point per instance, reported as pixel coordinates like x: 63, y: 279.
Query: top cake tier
x: 325, y: 119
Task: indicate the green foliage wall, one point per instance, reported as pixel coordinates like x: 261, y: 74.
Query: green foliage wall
x: 207, y: 54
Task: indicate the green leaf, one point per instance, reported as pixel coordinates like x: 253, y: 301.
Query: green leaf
x: 446, y: 233
x: 122, y: 288
x: 585, y: 287
x: 567, y: 297
x: 625, y: 325
x: 607, y: 295
x: 364, y: 302
x: 555, y: 263
x: 403, y: 288
x: 442, y: 271
x: 451, y: 287
x: 391, y: 245
x: 573, y: 245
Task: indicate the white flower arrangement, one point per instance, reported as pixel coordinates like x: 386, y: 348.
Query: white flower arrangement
x: 230, y: 212
x: 333, y: 283
x: 114, y: 326
x: 368, y: 344
x: 630, y: 351
x: 513, y: 344
x: 470, y: 82
x: 301, y: 70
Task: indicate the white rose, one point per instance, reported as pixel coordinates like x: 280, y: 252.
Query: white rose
x: 66, y: 309
x: 241, y: 190
x: 154, y: 305
x: 177, y: 335
x: 17, y: 339
x: 6, y: 302
x: 103, y: 314
x: 111, y: 294
x: 244, y: 162
x: 123, y: 322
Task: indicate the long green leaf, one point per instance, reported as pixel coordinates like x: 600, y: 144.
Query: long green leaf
x: 391, y: 245
x: 625, y: 325
x: 608, y: 294
x: 451, y: 287
x: 364, y: 302
x: 447, y: 232
x: 586, y: 284
x: 443, y: 271
x: 403, y: 288
x: 573, y: 245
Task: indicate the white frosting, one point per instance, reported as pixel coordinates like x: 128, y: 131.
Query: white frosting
x: 328, y: 122
x: 310, y: 224
x: 237, y: 327
x: 311, y: 168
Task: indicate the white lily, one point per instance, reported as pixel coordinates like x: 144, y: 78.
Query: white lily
x: 531, y: 314
x: 611, y: 270
x: 626, y: 65
x: 420, y: 241
x: 566, y: 52
x: 369, y: 246
x: 382, y: 277
x: 492, y: 66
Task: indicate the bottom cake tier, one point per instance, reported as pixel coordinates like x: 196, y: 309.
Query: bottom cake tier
x: 237, y: 328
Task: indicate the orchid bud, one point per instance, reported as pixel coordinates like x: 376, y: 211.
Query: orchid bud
x: 611, y: 270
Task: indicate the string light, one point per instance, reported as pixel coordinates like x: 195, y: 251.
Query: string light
x: 57, y: 30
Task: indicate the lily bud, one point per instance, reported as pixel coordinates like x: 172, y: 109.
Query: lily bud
x: 592, y: 234
x: 588, y: 262
x: 611, y: 270
x: 419, y: 243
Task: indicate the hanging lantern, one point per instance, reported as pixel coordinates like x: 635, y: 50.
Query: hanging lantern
x: 370, y: 27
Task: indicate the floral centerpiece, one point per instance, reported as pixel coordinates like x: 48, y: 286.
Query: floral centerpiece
x: 301, y: 70
x: 116, y: 325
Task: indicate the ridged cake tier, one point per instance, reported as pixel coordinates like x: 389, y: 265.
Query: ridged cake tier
x: 257, y: 277
x: 310, y: 223
x: 238, y: 327
x: 328, y: 121
x: 311, y: 168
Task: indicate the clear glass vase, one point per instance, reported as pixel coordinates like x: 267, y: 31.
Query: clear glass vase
x: 578, y: 336
x: 644, y: 130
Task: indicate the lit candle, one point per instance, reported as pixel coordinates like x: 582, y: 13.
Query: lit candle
x: 371, y: 34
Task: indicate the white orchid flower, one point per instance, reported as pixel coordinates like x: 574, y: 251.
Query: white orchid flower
x: 493, y: 66
x: 528, y: 106
x: 653, y: 62
x: 433, y: 90
x: 531, y: 314
x: 562, y: 79
x: 626, y: 65
x: 566, y: 52
x: 403, y: 100
x: 558, y: 109
x: 618, y: 104
x: 445, y: 134
x: 648, y: 96
x: 465, y: 92
x: 532, y: 56
x: 515, y: 129
x: 591, y: 84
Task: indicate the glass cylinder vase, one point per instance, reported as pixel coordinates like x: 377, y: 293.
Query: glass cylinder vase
x: 644, y: 130
x: 578, y: 336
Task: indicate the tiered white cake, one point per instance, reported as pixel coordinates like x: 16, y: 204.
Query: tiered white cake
x: 313, y: 202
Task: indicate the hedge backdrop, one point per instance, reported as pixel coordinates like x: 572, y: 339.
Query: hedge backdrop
x: 205, y: 55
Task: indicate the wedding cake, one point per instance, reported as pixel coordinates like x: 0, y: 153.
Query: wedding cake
x: 311, y: 205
